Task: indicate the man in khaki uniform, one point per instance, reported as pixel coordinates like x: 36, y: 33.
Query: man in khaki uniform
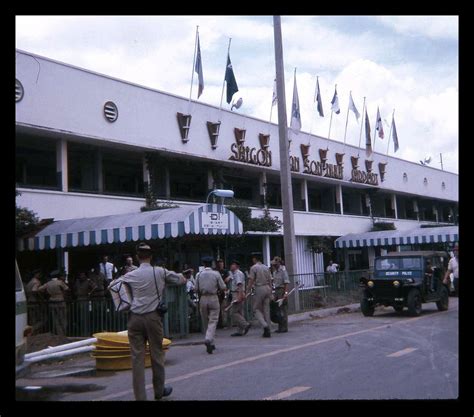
x: 208, y: 282
x: 145, y: 323
x: 35, y: 302
x: 260, y: 276
x: 56, y: 288
x: 280, y: 282
x: 237, y: 287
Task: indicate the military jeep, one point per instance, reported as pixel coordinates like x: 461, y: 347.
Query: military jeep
x: 406, y: 279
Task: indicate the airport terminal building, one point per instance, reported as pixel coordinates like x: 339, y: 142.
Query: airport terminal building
x: 91, y: 146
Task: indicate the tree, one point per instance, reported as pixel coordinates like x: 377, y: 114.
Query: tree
x: 26, y: 220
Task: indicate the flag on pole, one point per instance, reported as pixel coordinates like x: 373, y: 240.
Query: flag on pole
x: 295, y: 124
x: 378, y: 125
x: 230, y: 80
x: 317, y: 97
x: 274, y: 98
x: 368, y: 142
x: 335, y: 103
x: 198, y: 69
x: 353, y: 107
x: 395, y: 136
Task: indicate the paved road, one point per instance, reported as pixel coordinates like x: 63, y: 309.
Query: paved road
x: 348, y: 356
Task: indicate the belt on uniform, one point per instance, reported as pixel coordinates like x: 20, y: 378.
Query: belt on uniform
x: 208, y: 294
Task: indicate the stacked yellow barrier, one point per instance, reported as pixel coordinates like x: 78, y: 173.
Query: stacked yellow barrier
x: 112, y: 351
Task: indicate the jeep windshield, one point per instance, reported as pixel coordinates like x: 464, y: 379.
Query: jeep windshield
x: 398, y: 264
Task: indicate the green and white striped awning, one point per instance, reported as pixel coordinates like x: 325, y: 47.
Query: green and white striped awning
x: 398, y: 237
x: 210, y: 219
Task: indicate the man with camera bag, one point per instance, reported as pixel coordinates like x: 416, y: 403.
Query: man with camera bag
x: 145, y: 321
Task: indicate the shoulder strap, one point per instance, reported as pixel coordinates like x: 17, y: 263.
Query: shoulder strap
x: 156, y: 285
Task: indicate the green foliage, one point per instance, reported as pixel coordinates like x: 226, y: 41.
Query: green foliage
x: 265, y: 223
x: 26, y: 220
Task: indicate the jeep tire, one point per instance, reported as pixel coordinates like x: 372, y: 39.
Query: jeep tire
x: 443, y: 302
x: 414, y: 302
x: 367, y: 307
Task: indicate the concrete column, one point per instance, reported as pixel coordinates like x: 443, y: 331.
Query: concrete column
x: 339, y: 198
x: 100, y: 173
x: 146, y: 172
x: 210, y: 180
x: 262, y: 185
x: 304, y: 193
x: 66, y: 263
x: 266, y: 250
x: 167, y: 183
x: 371, y: 255
x: 61, y: 164
x: 435, y: 212
x: 394, y: 205
x: 346, y: 259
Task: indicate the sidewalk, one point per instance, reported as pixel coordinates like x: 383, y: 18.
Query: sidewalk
x: 83, y: 363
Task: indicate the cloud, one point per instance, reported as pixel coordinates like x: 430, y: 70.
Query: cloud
x: 436, y: 27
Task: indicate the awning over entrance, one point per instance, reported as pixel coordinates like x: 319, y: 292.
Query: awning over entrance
x: 210, y: 219
x: 398, y: 237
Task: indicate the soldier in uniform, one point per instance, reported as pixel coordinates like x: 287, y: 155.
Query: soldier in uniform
x: 35, y: 302
x: 260, y: 277
x: 280, y: 282
x: 57, y: 306
x: 238, y: 297
x: 208, y: 282
x: 145, y: 323
x: 223, y: 295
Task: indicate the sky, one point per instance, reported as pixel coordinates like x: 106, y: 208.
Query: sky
x: 409, y: 64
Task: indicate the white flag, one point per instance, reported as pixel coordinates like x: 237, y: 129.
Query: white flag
x: 395, y: 136
x: 335, y: 103
x: 295, y: 124
x: 353, y: 107
x: 378, y: 125
x: 274, y: 98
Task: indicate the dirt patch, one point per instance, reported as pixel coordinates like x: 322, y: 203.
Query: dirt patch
x: 42, y: 341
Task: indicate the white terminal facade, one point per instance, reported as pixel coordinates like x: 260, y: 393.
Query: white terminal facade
x: 88, y: 145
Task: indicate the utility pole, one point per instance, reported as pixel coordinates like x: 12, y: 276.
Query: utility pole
x: 289, y: 239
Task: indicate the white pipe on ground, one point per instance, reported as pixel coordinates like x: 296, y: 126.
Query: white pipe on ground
x: 61, y: 348
x: 60, y: 354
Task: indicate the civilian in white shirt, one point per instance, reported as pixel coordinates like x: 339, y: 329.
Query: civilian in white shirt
x: 107, y: 269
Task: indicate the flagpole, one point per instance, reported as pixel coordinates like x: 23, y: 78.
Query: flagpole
x: 361, y: 124
x: 375, y: 132
x: 192, y: 72
x: 270, y: 120
x: 390, y: 134
x: 330, y: 120
x: 314, y: 101
x: 223, y: 83
x: 347, y: 119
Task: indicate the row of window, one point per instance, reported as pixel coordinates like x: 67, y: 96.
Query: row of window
x: 95, y: 170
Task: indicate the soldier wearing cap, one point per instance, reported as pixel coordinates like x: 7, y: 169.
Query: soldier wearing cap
x: 260, y: 277
x: 237, y: 288
x: 208, y: 282
x: 280, y: 282
x: 35, y: 301
x: 56, y: 288
x: 145, y: 323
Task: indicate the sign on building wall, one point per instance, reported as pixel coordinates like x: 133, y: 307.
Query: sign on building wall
x: 214, y: 220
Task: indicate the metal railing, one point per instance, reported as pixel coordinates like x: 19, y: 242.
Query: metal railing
x: 84, y: 318
x: 323, y: 290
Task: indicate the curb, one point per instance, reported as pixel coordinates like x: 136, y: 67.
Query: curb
x: 326, y: 312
